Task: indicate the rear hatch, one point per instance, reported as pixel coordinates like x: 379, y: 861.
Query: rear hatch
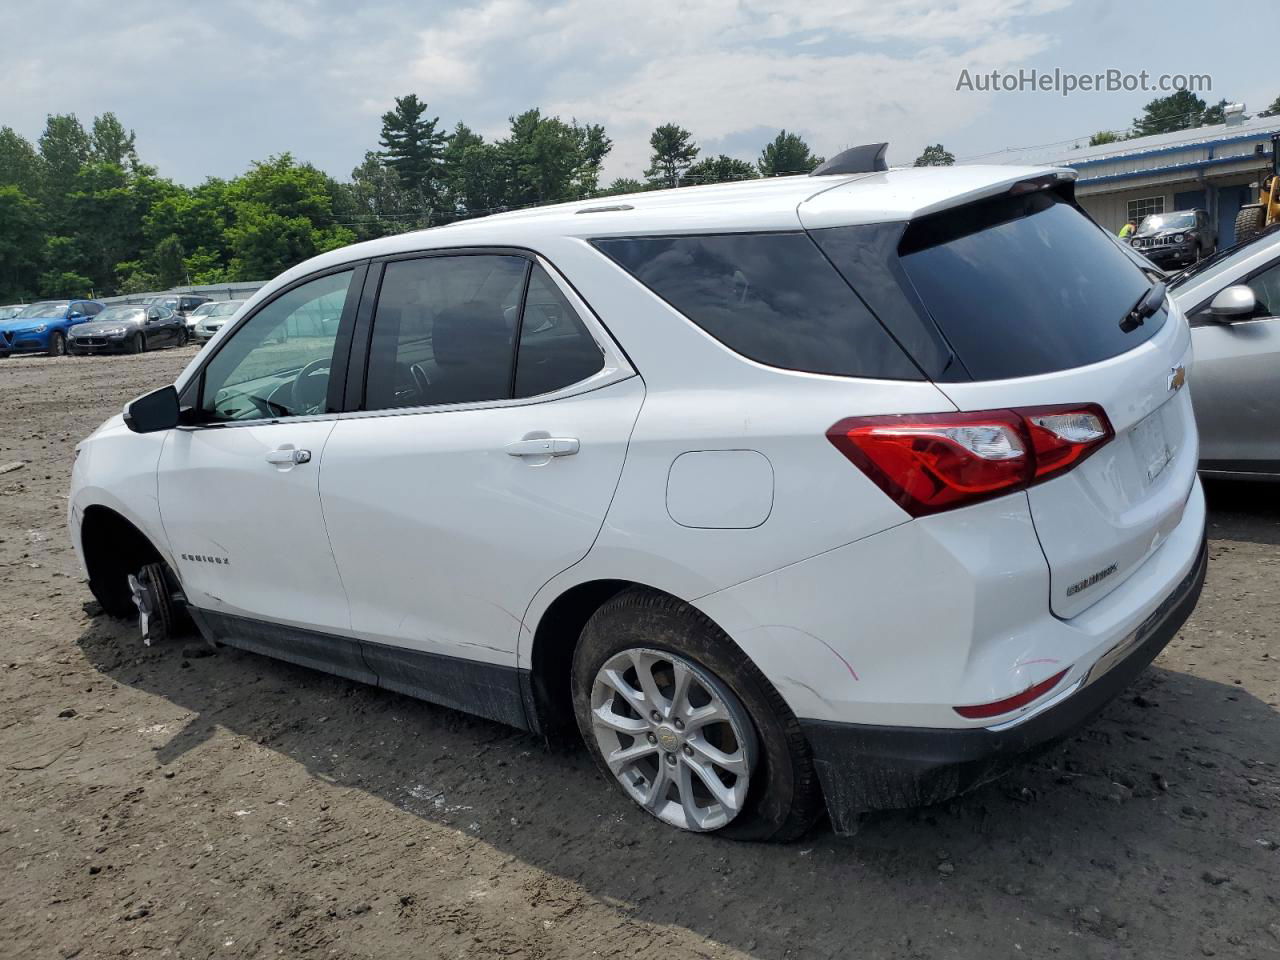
x: 1035, y: 304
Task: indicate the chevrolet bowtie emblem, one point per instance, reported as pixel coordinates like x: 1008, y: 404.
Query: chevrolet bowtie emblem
x: 1177, y: 377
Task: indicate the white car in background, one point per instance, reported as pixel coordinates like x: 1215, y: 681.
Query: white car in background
x: 209, y: 317
x: 844, y: 489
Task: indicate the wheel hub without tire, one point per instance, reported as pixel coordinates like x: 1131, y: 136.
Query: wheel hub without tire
x: 676, y: 738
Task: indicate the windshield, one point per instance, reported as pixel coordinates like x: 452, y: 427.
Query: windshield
x: 45, y: 308
x: 201, y: 311
x: 7, y: 312
x: 119, y: 314
x: 223, y: 309
x: 1166, y: 221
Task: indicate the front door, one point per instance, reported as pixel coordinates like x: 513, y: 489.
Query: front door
x: 1236, y: 383
x: 476, y: 471
x: 160, y: 327
x: 238, y: 488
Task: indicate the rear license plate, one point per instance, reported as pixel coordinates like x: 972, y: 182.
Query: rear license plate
x: 1151, y: 445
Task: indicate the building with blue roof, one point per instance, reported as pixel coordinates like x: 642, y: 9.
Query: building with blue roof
x: 1214, y: 168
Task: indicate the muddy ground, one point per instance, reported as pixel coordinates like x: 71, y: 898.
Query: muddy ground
x: 165, y: 803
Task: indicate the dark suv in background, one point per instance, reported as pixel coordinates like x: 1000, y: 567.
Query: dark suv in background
x: 1175, y: 239
x: 180, y: 303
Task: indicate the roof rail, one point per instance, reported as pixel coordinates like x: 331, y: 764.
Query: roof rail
x: 867, y: 158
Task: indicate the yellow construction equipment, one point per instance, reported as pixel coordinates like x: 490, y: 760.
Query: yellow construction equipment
x: 1253, y: 218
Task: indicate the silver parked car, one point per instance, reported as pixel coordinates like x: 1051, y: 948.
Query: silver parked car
x: 211, y: 316
x: 1233, y: 302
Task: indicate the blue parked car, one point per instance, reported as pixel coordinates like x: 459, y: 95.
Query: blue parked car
x: 42, y: 327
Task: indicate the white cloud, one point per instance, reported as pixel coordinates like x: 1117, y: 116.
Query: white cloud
x: 313, y: 76
x: 837, y: 72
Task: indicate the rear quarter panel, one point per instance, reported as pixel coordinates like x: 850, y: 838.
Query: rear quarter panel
x: 701, y: 396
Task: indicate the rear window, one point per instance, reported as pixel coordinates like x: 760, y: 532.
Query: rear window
x: 773, y: 298
x: 1024, y: 285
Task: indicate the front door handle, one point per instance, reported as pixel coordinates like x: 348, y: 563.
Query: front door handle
x: 544, y: 447
x: 285, y: 456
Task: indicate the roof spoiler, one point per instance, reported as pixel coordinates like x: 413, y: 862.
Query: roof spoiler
x: 868, y: 158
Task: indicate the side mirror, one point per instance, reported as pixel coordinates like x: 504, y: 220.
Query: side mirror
x: 1233, y: 302
x: 154, y: 411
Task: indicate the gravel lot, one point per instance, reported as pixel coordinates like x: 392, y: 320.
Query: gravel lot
x: 168, y: 803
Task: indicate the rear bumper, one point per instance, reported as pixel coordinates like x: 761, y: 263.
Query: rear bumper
x: 866, y: 767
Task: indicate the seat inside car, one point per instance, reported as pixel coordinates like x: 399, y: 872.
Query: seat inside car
x: 470, y: 344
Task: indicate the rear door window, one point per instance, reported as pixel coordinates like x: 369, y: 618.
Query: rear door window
x: 556, y: 350
x: 444, y: 331
x: 1025, y: 285
x: 771, y: 297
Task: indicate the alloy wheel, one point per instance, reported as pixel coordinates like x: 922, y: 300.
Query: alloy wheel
x: 676, y: 738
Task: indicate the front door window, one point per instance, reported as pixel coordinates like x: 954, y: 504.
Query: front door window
x: 277, y: 364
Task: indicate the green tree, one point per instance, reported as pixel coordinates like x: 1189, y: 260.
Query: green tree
x: 170, y: 261
x: 64, y: 148
x: 623, y: 185
x: 593, y: 147
x: 413, y: 147
x: 105, y: 221
x: 545, y: 160
x: 1217, y: 114
x: 64, y: 284
x: 1273, y: 110
x: 786, y: 154
x: 111, y: 143
x: 21, y: 237
x: 935, y: 156
x: 673, y: 153
x: 477, y: 173
x: 374, y: 204
x: 283, y: 214
x: 20, y: 165
x: 718, y: 169
x: 199, y: 216
x: 1178, y: 111
x: 1103, y: 137
x: 137, y: 280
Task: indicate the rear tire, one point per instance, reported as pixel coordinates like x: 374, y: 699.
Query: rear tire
x: 782, y: 798
x: 1250, y: 221
x: 57, y: 344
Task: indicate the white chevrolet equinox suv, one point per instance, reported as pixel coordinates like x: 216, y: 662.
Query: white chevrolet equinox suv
x: 841, y: 490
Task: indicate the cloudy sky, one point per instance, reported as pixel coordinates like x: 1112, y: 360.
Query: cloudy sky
x: 210, y: 87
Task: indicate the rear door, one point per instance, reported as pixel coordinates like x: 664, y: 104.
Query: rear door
x: 1032, y: 300
x: 480, y: 464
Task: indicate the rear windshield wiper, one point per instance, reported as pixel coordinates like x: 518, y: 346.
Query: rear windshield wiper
x: 1147, y: 304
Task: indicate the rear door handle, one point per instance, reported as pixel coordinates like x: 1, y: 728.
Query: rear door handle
x: 544, y: 447
x: 288, y: 455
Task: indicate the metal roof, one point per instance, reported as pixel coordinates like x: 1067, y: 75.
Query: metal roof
x: 1078, y: 153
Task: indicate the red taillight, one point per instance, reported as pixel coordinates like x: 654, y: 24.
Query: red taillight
x: 1063, y: 436
x: 982, y: 711
x: 938, y: 461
